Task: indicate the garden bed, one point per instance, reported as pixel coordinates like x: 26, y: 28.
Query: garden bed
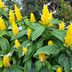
x: 36, y: 36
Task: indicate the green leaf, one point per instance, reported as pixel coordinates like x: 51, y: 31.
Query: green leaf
x: 53, y: 49
x: 64, y: 62
x: 20, y: 34
x: 48, y: 66
x: 16, y: 68
x: 66, y: 65
x: 20, y: 52
x: 44, y: 69
x: 27, y: 22
x: 35, y: 25
x: 38, y: 66
x: 70, y: 61
x: 24, y: 43
x: 60, y: 34
x: 55, y: 67
x: 5, y: 13
x: 1, y: 63
x: 39, y: 43
x: 5, y: 70
x: 55, y: 21
x: 47, y: 34
x: 27, y: 66
x: 58, y: 42
x: 4, y: 43
x: 1, y: 69
x: 37, y: 32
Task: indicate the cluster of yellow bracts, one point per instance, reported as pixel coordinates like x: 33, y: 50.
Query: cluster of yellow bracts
x: 46, y: 17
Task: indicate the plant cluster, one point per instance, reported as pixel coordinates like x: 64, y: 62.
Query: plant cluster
x: 28, y: 45
x: 64, y: 10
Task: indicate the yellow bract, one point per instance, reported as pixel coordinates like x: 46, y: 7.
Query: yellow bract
x: 42, y: 57
x: 6, y: 61
x: 46, y: 16
x: 25, y: 50
x: 15, y: 28
x: 17, y: 44
x: 29, y: 33
x: 11, y: 16
x: 2, y: 4
x: 32, y: 18
x: 59, y: 70
x: 45, y: 10
x: 2, y: 25
x: 68, y: 37
x: 18, y: 14
x: 61, y: 27
x: 50, y: 24
x: 50, y: 42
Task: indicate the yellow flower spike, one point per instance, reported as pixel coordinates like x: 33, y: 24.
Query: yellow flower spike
x: 50, y: 25
x: 50, y: 17
x: 29, y: 33
x: 2, y: 4
x: 61, y: 27
x: 43, y: 21
x: 17, y: 44
x: 2, y: 25
x: 6, y: 62
x: 68, y: 37
x: 46, y: 16
x: 32, y: 17
x: 15, y: 28
x: 18, y: 13
x: 59, y: 70
x: 11, y: 16
x: 42, y: 57
x: 45, y: 10
x: 25, y: 50
x: 50, y: 42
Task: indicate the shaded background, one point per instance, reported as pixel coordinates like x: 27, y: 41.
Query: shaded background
x: 63, y: 8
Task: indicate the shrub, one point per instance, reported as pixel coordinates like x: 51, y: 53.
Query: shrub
x: 27, y: 44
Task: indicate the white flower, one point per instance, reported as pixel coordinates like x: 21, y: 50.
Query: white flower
x: 9, y: 27
x: 27, y: 45
x: 71, y: 68
x: 48, y: 3
x: 20, y: 28
x: 9, y: 54
x: 54, y: 12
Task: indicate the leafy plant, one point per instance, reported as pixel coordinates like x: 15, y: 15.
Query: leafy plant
x: 64, y: 10
x: 29, y: 45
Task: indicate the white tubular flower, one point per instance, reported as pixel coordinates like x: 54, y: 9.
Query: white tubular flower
x: 19, y: 28
x: 9, y: 27
x: 21, y: 8
x: 9, y: 54
x: 54, y: 12
x: 27, y: 45
x: 48, y: 3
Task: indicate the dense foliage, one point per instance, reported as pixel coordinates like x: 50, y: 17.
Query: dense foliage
x: 28, y: 45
